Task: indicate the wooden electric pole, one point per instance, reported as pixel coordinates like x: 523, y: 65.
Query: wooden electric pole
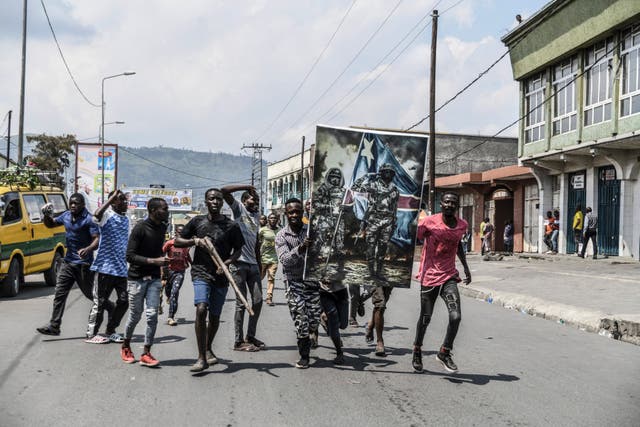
x: 302, y: 172
x: 256, y: 169
x: 432, y: 115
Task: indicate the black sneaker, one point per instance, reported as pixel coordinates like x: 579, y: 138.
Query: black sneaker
x: 48, y: 330
x: 361, y: 308
x: 417, y: 360
x: 445, y: 358
x: 303, y: 363
x: 339, y: 359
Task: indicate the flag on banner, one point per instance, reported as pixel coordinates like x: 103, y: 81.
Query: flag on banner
x: 372, y: 154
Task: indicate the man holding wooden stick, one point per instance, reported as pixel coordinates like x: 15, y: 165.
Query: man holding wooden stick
x: 211, y: 233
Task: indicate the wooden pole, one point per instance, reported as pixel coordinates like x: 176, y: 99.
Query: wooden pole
x: 220, y: 264
x: 432, y: 115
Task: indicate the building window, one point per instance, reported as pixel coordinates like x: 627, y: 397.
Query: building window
x: 630, y: 58
x: 598, y: 62
x: 534, y: 105
x: 564, y: 102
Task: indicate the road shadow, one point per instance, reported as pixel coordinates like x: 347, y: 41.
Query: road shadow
x: 31, y: 290
x: 230, y: 367
x: 475, y: 379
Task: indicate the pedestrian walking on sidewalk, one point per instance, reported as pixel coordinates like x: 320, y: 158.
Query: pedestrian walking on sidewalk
x: 179, y: 261
x: 246, y: 270
x: 145, y: 257
x: 577, y: 226
x: 210, y: 284
x: 303, y: 296
x: 82, y: 236
x: 555, y: 232
x: 269, y: 258
x: 442, y: 234
x: 590, y: 232
x: 111, y: 266
x: 487, y: 236
x: 548, y: 231
x: 507, y: 237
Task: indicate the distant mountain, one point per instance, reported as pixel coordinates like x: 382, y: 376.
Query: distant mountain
x: 141, y: 167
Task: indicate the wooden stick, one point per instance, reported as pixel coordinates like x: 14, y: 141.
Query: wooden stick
x: 220, y: 264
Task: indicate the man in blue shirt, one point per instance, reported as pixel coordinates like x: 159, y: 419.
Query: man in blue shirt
x: 82, y: 239
x: 111, y: 266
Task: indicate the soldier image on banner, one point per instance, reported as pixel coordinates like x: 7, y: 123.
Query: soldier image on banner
x: 379, y: 220
x: 365, y: 200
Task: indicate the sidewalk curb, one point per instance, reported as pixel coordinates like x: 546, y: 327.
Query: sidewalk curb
x: 587, y: 320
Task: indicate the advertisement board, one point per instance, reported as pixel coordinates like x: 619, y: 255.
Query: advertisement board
x: 178, y: 200
x: 90, y: 162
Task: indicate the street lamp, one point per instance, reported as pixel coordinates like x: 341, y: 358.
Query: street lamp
x: 126, y: 73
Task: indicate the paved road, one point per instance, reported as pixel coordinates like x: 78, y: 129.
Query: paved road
x: 514, y: 370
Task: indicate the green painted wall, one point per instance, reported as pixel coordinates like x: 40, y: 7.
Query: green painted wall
x: 576, y: 24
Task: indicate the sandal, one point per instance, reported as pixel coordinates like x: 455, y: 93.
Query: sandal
x: 116, y: 337
x: 97, y: 339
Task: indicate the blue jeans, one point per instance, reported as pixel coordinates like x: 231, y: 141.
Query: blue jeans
x: 141, y: 291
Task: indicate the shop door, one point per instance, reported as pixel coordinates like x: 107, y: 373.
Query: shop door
x: 608, y: 211
x: 531, y: 213
x: 576, y: 196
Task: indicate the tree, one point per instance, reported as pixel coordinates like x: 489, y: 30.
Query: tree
x: 51, y: 153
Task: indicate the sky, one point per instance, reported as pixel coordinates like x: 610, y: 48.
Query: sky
x: 215, y: 76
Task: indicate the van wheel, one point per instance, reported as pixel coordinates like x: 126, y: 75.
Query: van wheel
x: 51, y: 275
x: 11, y: 283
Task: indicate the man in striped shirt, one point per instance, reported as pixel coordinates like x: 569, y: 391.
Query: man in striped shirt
x: 303, y: 296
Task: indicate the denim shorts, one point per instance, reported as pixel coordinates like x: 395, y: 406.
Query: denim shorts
x: 214, y: 296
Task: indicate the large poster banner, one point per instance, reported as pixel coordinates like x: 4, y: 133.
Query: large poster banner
x: 178, y: 200
x: 366, y: 196
x: 89, y: 164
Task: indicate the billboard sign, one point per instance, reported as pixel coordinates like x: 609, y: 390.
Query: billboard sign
x: 90, y: 162
x: 178, y: 200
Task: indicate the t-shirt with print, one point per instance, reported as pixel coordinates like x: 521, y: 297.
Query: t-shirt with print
x: 112, y: 251
x: 438, y: 259
x: 179, y: 258
x: 227, y: 238
x: 267, y: 239
x: 79, y: 234
x: 249, y: 224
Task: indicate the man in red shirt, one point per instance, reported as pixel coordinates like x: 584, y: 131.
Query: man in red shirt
x: 179, y: 261
x: 442, y: 234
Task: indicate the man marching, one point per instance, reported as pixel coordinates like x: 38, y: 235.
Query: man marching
x: 442, y: 234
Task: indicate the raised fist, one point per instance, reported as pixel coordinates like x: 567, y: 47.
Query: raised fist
x: 47, y: 209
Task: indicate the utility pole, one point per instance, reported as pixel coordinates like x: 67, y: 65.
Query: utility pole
x: 9, y: 140
x: 302, y: 172
x: 24, y: 59
x: 256, y: 168
x: 432, y: 115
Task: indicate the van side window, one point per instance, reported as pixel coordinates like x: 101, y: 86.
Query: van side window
x: 12, y: 212
x: 59, y: 203
x: 34, y: 203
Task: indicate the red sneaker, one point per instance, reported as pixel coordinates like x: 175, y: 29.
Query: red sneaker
x: 127, y: 355
x: 148, y: 360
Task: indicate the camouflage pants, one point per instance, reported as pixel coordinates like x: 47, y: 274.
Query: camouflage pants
x: 325, y: 234
x: 378, y: 235
x: 303, y: 299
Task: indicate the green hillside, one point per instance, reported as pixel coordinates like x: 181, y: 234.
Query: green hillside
x: 141, y: 167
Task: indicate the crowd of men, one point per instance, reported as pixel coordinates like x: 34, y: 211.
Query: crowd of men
x: 241, y: 252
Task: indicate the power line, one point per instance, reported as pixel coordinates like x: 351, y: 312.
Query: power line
x: 545, y: 101
x: 174, y: 169
x: 322, y: 95
x: 295, y: 93
x: 379, y: 62
x: 483, y: 73
x: 63, y: 59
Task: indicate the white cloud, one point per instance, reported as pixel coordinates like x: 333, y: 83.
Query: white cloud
x: 213, y: 75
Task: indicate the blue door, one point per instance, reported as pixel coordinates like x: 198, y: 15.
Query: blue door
x: 608, y: 211
x: 576, y: 196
